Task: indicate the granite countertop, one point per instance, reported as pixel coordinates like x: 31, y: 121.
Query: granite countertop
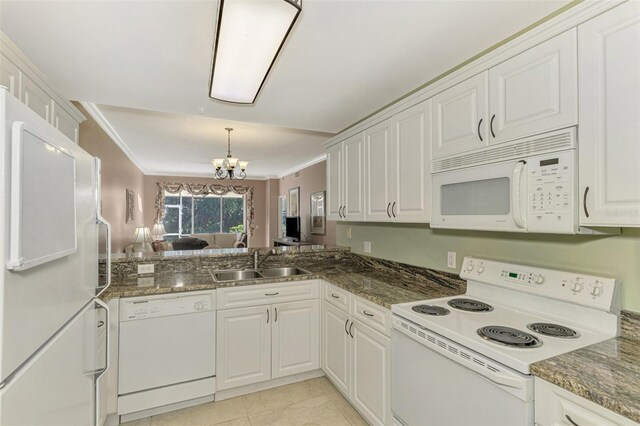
x: 607, y: 373
x: 373, y: 281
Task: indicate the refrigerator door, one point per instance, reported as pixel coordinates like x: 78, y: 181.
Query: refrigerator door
x: 37, y: 302
x: 58, y: 385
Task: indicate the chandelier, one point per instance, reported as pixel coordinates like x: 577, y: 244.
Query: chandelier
x: 225, y: 167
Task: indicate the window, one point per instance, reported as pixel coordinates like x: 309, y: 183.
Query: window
x: 186, y: 214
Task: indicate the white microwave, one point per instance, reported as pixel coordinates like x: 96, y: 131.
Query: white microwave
x: 527, y: 194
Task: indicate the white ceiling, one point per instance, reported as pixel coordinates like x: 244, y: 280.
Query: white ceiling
x: 342, y: 61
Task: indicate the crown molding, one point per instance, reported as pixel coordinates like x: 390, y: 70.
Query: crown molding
x: 203, y: 175
x: 104, y: 124
x: 304, y: 165
x: 538, y: 32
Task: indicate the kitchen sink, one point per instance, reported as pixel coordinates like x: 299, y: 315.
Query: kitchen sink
x: 237, y: 275
x: 287, y: 271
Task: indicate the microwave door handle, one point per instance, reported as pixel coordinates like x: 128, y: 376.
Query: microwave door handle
x: 516, y: 194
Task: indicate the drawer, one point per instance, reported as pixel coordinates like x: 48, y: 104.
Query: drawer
x: 336, y: 296
x: 266, y: 294
x: 373, y: 315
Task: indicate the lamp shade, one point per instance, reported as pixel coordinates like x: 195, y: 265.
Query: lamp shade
x: 249, y: 36
x: 142, y: 235
x: 158, y: 231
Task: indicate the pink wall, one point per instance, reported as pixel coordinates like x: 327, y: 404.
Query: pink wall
x: 310, y: 179
x: 260, y: 236
x: 118, y: 174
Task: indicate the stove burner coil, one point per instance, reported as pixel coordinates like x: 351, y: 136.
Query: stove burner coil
x: 508, y: 336
x: 553, y: 330
x: 430, y: 310
x: 470, y: 305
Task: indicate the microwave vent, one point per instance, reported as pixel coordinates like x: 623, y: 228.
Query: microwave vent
x: 534, y: 145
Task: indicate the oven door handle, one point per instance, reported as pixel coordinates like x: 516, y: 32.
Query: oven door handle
x: 501, y: 380
x: 516, y: 194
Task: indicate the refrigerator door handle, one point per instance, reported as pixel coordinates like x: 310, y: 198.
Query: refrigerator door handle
x: 99, y: 374
x: 100, y: 288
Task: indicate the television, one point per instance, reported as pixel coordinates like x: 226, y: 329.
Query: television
x: 293, y: 228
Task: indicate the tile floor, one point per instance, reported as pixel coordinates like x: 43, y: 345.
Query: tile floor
x: 312, y: 402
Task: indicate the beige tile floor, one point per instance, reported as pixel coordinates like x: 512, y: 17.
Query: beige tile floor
x: 312, y: 402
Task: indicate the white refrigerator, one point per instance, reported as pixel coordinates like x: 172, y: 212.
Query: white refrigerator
x: 53, y: 329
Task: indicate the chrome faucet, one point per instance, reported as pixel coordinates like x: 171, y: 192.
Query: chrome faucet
x: 256, y: 257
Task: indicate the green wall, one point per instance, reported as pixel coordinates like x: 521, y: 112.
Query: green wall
x: 614, y: 256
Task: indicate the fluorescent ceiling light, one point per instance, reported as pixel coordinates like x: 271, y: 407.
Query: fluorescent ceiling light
x: 249, y: 35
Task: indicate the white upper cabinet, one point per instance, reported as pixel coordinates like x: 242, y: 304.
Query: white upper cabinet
x: 10, y: 76
x: 535, y: 91
x: 459, y: 117
x: 36, y: 98
x: 353, y: 205
x: 335, y: 164
x: 411, y: 157
x: 609, y: 130
x: 379, y: 173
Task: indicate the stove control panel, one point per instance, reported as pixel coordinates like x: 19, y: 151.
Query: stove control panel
x: 583, y: 289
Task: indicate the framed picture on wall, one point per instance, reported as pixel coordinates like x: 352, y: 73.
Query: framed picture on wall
x: 130, y: 202
x: 318, y: 218
x: 294, y: 202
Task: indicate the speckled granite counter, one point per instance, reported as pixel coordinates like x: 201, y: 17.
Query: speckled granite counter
x: 606, y: 373
x: 381, y: 282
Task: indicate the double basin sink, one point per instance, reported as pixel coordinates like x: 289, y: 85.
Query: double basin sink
x: 256, y: 274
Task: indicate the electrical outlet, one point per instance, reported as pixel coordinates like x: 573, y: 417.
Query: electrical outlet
x: 367, y: 247
x: 349, y: 233
x: 451, y: 259
x: 145, y: 268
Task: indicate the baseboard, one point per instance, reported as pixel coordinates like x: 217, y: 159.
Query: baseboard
x: 221, y: 395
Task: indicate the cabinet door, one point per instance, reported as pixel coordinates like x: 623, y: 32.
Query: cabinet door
x: 378, y: 172
x: 412, y: 165
x: 64, y: 122
x: 459, y: 118
x: 353, y: 178
x: 371, y: 374
x: 535, y: 91
x: 243, y: 346
x: 609, y: 151
x: 335, y: 188
x: 10, y: 76
x: 336, y: 344
x: 36, y: 98
x: 295, y: 341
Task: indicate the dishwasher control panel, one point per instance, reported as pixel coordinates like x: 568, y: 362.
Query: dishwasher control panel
x: 136, y: 308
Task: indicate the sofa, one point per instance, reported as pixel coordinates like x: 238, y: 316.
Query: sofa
x: 223, y: 240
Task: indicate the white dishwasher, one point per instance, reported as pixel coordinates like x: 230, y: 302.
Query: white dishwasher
x: 166, y: 352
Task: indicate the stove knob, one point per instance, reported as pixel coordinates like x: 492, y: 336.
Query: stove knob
x: 576, y: 287
x: 596, y: 291
x: 469, y: 267
x: 198, y: 306
x: 539, y: 279
x: 480, y: 268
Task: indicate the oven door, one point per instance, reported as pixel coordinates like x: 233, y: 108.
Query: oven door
x: 429, y: 387
x: 488, y: 197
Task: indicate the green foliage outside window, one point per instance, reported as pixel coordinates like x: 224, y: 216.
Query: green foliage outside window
x: 210, y: 214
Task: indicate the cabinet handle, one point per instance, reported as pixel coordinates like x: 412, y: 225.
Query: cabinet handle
x: 367, y: 313
x: 345, y: 327
x: 584, y: 201
x: 100, y: 323
x: 267, y: 315
x: 491, y: 125
x: 571, y: 420
x: 388, y: 205
x: 340, y: 211
x: 276, y: 318
x: 393, y: 209
x: 350, y: 327
x: 344, y: 215
x: 334, y: 296
x: 272, y: 294
x: 480, y: 134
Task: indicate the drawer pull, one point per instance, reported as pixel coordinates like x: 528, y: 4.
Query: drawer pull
x: 571, y: 420
x: 367, y: 313
x: 335, y: 296
x: 272, y: 294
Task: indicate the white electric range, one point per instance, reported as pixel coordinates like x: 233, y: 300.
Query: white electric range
x: 465, y: 360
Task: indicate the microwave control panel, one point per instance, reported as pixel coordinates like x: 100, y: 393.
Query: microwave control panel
x: 550, y: 203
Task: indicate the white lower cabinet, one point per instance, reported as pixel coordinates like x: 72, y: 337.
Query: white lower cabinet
x: 357, y: 358
x: 268, y: 341
x: 243, y: 347
x: 555, y: 406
